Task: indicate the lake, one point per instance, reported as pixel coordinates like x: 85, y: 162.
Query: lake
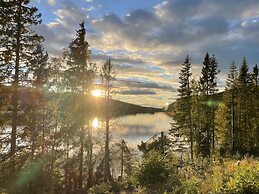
x: 136, y: 128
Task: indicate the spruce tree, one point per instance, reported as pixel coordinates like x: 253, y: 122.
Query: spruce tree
x: 230, y: 93
x: 80, y: 75
x: 182, y: 112
x: 208, y: 84
x: 108, y: 75
x: 244, y: 106
x: 255, y: 77
x: 38, y: 69
x: 17, y: 43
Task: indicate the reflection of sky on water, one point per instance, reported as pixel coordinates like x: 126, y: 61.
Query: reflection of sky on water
x: 140, y: 127
x: 132, y: 128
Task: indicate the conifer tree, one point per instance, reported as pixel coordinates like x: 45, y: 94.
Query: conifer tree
x: 38, y: 70
x: 255, y: 76
x: 79, y: 76
x: 231, y: 90
x: 182, y: 112
x: 208, y: 83
x: 244, y: 94
x: 17, y: 43
x: 226, y: 116
x: 108, y: 75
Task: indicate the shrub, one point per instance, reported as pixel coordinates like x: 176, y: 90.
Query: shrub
x: 101, y: 189
x: 157, y: 173
x: 231, y: 177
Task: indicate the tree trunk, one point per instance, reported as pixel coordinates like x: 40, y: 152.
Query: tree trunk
x: 107, y: 173
x: 122, y: 159
x: 80, y: 182
x: 15, y: 90
x: 233, y: 121
x: 90, y: 156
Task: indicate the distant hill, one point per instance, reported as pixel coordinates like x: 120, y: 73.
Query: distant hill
x: 119, y: 108
x: 170, y: 107
x: 96, y: 106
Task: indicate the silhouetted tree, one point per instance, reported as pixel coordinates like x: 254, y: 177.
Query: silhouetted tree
x: 107, y: 74
x: 182, y: 111
x: 80, y: 75
x: 17, y: 43
x: 208, y: 84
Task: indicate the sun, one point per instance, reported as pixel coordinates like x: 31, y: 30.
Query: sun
x: 96, y: 93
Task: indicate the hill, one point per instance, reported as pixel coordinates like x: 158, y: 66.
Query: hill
x: 218, y: 97
x: 119, y: 108
x: 96, y: 105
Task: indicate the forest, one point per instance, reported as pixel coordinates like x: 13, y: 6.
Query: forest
x: 48, y: 142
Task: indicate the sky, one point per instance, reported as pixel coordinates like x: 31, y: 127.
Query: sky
x: 147, y: 40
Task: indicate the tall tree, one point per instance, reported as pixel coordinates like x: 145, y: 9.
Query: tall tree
x: 226, y: 116
x: 255, y: 76
x: 208, y: 84
x: 244, y: 104
x: 17, y: 42
x: 38, y: 70
x: 80, y: 75
x: 108, y: 75
x: 182, y: 113
x: 231, y: 89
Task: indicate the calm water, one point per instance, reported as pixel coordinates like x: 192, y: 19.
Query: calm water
x: 136, y: 128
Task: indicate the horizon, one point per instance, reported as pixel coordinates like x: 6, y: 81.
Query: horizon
x: 148, y: 40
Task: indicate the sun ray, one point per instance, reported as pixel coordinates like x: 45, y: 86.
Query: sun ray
x: 96, y: 93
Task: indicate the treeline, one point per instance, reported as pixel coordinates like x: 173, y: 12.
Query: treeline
x: 218, y: 124
x: 47, y: 144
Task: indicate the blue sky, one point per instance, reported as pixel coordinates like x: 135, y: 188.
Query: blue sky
x: 148, y: 39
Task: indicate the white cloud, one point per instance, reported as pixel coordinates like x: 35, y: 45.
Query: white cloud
x: 154, y: 42
x: 88, y: 9
x: 51, y: 2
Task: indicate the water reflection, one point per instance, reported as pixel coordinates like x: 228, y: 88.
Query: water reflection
x: 95, y: 123
x: 136, y: 128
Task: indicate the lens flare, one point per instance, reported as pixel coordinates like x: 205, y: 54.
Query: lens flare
x: 96, y: 93
x: 95, y: 123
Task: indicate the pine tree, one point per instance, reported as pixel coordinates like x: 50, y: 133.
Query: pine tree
x: 255, y: 77
x: 80, y: 75
x: 231, y: 89
x: 226, y: 114
x: 213, y: 90
x: 244, y: 105
x: 108, y: 75
x: 208, y: 83
x: 38, y: 69
x: 182, y: 112
x: 17, y: 43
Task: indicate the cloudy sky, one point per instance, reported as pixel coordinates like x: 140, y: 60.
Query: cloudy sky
x: 148, y: 39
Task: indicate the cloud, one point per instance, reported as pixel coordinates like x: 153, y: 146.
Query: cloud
x: 142, y: 84
x: 60, y: 32
x: 147, y: 46
x: 137, y: 92
x: 51, y: 2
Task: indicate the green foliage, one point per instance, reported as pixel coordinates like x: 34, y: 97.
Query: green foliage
x: 157, y: 173
x: 230, y: 177
x: 101, y: 189
x: 190, y: 186
x: 129, y: 184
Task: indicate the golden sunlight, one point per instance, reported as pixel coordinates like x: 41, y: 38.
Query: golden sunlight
x: 96, y: 93
x: 95, y: 123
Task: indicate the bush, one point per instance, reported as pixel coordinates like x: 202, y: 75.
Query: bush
x: 157, y: 173
x: 101, y: 189
x: 129, y: 184
x: 231, y: 177
x: 244, y: 180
